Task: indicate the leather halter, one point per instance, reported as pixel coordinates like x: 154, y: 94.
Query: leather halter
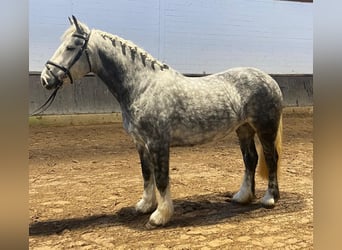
x: 66, y: 70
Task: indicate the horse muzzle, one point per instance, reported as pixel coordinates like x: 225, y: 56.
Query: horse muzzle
x: 54, y: 76
x: 50, y: 80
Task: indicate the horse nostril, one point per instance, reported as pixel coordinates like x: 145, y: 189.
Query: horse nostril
x: 43, y: 81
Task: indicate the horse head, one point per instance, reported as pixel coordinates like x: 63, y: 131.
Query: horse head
x: 71, y: 59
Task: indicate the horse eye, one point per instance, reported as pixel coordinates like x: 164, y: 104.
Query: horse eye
x: 70, y: 48
x: 78, y: 42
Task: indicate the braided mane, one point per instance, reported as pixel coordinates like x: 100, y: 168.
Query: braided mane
x: 133, y: 50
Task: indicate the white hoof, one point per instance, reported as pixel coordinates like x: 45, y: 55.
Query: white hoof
x: 243, y: 197
x: 164, y: 211
x: 245, y: 194
x: 268, y: 200
x: 161, y: 216
x: 145, y: 207
x: 148, y: 202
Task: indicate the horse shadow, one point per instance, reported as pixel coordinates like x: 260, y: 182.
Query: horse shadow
x: 191, y: 211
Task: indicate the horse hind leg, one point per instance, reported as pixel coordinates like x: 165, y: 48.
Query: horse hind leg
x: 270, y: 140
x: 246, y: 193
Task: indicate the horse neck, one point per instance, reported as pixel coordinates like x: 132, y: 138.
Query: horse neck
x: 121, y: 65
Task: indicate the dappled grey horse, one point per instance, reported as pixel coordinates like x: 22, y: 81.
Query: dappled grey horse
x: 161, y: 108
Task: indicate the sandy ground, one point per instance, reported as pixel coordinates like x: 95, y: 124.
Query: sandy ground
x: 85, y: 180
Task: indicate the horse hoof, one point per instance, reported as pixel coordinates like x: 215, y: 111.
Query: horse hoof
x: 268, y: 200
x: 143, y: 207
x: 144, y: 211
x: 150, y: 225
x: 242, y: 198
x: 268, y: 203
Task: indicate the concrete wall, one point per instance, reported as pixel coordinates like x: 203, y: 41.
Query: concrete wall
x: 90, y: 95
x: 297, y: 89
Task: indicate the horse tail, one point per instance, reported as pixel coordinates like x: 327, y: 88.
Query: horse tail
x: 263, y: 171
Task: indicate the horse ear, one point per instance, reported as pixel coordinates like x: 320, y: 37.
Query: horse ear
x: 78, y: 28
x: 70, y: 20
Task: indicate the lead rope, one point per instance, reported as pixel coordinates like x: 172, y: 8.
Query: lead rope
x: 47, y: 103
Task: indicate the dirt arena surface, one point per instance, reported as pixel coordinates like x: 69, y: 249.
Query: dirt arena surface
x: 85, y: 180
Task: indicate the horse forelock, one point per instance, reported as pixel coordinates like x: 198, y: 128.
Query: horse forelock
x: 72, y: 30
x: 68, y: 32
x: 134, y: 50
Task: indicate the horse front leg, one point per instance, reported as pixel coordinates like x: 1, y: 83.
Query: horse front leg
x: 148, y: 201
x: 164, y: 211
